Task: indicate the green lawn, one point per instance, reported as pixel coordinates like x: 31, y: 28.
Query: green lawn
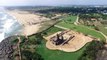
x: 83, y: 29
x: 102, y: 29
x: 58, y: 55
x: 70, y: 19
x: 51, y: 30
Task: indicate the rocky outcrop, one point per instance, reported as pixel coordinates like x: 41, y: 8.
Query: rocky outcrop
x: 6, y: 49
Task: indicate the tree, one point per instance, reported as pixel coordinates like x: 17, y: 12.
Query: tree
x: 91, y: 50
x: 28, y: 55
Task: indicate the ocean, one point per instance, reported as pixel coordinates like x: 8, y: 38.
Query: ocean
x: 9, y: 26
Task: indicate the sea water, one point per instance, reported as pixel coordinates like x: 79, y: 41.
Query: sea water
x: 9, y: 26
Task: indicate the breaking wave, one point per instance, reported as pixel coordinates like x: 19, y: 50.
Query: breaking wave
x: 9, y: 26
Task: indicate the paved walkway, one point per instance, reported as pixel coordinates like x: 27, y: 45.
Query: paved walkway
x: 61, y: 27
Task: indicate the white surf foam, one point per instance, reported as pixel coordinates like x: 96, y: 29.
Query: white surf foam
x: 8, y: 26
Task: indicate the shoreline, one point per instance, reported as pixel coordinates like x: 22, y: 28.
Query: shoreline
x: 31, y: 22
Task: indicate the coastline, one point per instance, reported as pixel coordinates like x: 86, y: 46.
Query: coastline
x: 31, y: 22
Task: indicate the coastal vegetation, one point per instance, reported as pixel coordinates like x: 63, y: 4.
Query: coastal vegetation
x: 90, y: 53
x: 95, y: 21
x: 57, y: 55
x: 34, y: 46
x: 70, y: 19
x: 83, y: 29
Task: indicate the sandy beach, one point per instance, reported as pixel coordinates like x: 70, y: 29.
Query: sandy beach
x: 31, y: 22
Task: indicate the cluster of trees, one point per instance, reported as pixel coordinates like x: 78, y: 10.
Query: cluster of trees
x: 26, y: 51
x: 64, y: 10
x: 104, y: 16
x: 75, y: 10
x: 91, y: 15
x: 90, y: 53
x: 49, y: 15
x: 28, y: 55
x: 35, y: 39
x: 25, y: 48
x: 90, y: 19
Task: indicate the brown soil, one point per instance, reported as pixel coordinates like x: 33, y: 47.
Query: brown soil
x: 74, y: 44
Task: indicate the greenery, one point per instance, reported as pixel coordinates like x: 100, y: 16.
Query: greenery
x: 58, y: 55
x: 91, y: 50
x: 51, y: 30
x: 28, y: 46
x: 34, y: 39
x: 104, y: 16
x: 73, y: 10
x: 83, y: 29
x: 70, y: 19
x: 98, y: 24
x: 88, y: 52
x: 42, y: 53
x: 28, y: 55
x: 15, y: 41
x: 91, y: 15
x: 102, y: 29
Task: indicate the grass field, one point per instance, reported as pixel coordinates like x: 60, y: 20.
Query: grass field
x: 102, y: 29
x: 51, y: 30
x: 46, y: 25
x: 58, y: 55
x: 82, y: 29
x: 70, y: 19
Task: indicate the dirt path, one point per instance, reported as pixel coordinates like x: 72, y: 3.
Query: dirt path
x: 76, y: 22
x: 87, y: 28
x: 103, y: 35
x: 19, y: 50
x: 61, y: 27
x: 100, y: 33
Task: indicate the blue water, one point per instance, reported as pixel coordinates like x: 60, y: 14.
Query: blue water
x: 9, y: 26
